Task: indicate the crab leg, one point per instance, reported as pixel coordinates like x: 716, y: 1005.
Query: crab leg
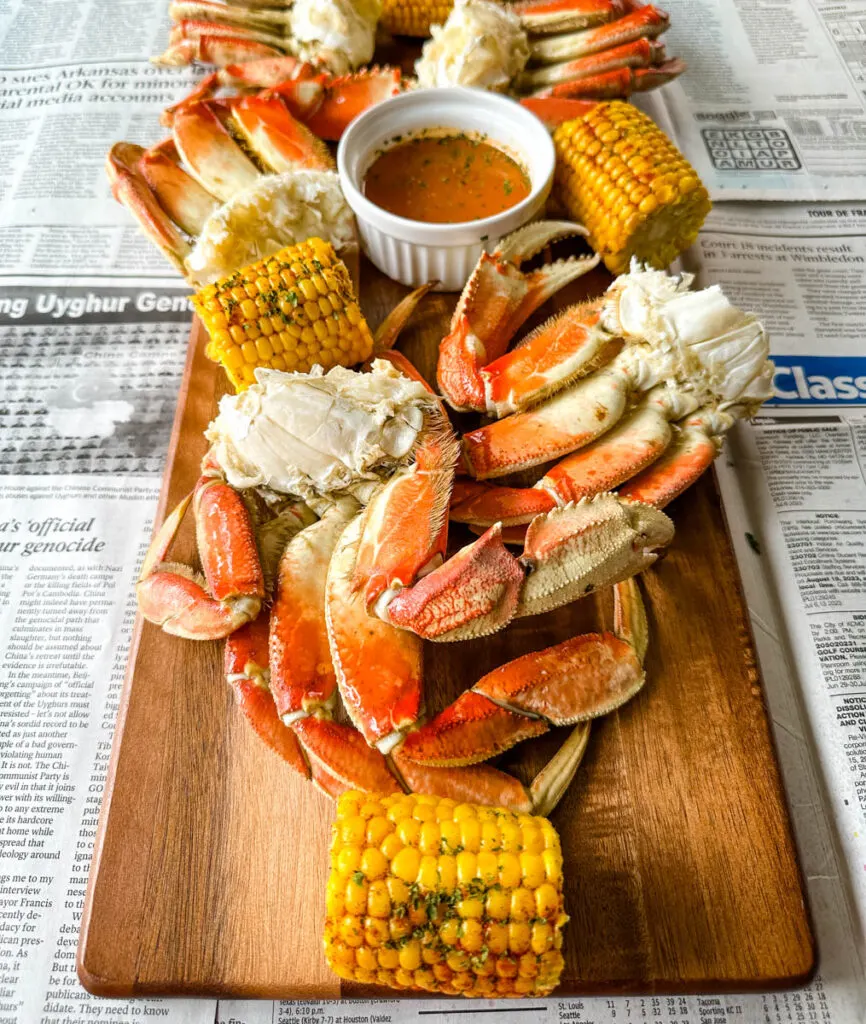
x: 634, y: 444
x: 345, y: 97
x: 173, y: 597
x: 210, y: 43
x: 569, y: 420
x: 569, y: 346
x: 696, y: 446
x: 497, y: 299
x: 280, y: 141
x: 227, y: 14
x: 640, y: 53
x: 213, y: 157
x: 554, y: 111
x: 246, y: 661
x: 180, y: 195
x: 615, y: 84
x: 579, y: 679
x: 569, y: 552
x: 378, y: 666
x: 302, y: 676
x: 542, y: 17
x: 130, y: 187
x: 645, y: 22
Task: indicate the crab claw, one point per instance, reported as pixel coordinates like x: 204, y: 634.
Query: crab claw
x: 130, y: 187
x: 474, y: 593
x: 213, y: 157
x: 573, y: 551
x: 497, y: 299
x: 231, y: 594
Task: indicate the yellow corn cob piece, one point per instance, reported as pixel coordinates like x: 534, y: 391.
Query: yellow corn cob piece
x: 428, y: 894
x: 290, y: 311
x: 622, y: 177
x: 413, y: 17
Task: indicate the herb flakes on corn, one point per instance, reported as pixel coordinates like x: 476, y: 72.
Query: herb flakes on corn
x: 428, y: 894
x: 413, y: 17
x: 622, y: 177
x: 290, y: 311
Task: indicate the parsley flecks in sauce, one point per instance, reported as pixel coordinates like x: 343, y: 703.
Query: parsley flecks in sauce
x: 445, y: 179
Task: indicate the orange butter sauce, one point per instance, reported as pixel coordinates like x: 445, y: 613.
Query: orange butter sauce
x: 445, y: 177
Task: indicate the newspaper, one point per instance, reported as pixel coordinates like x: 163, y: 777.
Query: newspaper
x: 93, y: 331
x: 773, y: 104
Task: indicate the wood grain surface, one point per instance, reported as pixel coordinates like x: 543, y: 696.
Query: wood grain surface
x: 209, y: 871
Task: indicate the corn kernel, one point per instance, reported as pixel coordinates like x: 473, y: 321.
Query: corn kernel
x: 405, y: 864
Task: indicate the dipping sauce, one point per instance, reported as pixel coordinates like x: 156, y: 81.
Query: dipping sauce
x: 445, y: 179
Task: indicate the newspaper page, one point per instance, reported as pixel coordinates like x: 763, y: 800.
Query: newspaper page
x: 773, y: 105
x: 93, y: 331
x: 804, y: 267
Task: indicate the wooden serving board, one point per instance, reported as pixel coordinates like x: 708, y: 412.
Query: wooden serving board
x: 209, y: 871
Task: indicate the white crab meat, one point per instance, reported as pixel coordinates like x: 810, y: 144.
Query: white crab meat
x: 482, y: 44
x: 320, y: 435
x: 697, y: 339
x: 278, y: 210
x: 340, y: 34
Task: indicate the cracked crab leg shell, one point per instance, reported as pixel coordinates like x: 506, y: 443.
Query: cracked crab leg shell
x: 567, y: 421
x: 479, y: 783
x: 179, y: 194
x: 688, y: 457
x: 640, y: 53
x: 635, y: 443
x: 646, y: 22
x: 616, y: 84
x: 339, y: 751
x: 246, y: 659
x: 564, y: 349
x: 542, y: 17
x: 473, y: 594
x: 278, y: 139
x: 302, y: 676
x: 213, y: 157
x: 575, y: 550
x: 378, y: 667
x: 497, y: 299
x: 130, y: 188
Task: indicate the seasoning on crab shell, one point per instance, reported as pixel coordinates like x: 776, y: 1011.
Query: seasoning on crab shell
x: 445, y: 179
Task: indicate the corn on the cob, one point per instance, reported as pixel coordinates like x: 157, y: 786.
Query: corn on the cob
x: 623, y: 178
x: 287, y: 312
x: 413, y: 17
x: 428, y: 894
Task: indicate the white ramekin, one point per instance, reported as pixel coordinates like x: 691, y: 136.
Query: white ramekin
x: 414, y: 252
